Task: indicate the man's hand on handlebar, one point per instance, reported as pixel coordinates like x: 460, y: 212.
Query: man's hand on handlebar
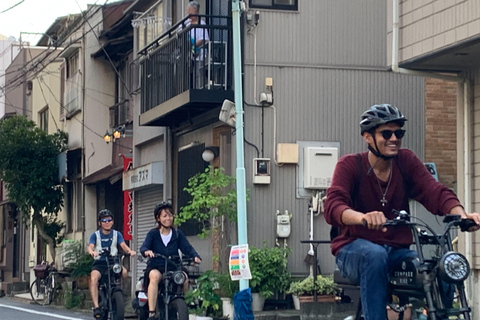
x: 374, y: 220
x: 475, y: 217
x: 197, y: 260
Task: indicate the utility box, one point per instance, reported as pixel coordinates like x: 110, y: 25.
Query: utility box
x: 261, y: 170
x: 319, y: 164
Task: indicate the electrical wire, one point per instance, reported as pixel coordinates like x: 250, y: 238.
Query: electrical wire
x: 75, y: 26
x: 13, y: 83
x: 8, y: 9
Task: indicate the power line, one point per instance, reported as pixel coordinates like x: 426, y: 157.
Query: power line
x: 106, y: 53
x: 40, y: 79
x: 75, y: 26
x: 8, y: 9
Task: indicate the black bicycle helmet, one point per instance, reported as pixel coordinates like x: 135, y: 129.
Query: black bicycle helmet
x: 159, y: 207
x: 104, y: 213
x: 380, y: 114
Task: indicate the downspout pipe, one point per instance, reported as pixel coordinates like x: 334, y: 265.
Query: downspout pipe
x: 466, y: 116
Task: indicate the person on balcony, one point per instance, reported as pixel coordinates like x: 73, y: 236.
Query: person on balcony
x: 198, y: 40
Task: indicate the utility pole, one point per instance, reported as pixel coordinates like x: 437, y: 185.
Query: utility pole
x: 240, y: 172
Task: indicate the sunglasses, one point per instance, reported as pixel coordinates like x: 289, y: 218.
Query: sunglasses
x: 107, y: 220
x: 387, y: 134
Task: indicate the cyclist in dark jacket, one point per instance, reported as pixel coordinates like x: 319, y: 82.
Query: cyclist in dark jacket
x: 165, y: 240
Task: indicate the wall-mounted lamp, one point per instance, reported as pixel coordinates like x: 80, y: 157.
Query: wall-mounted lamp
x: 107, y: 137
x: 120, y: 131
x: 210, y: 153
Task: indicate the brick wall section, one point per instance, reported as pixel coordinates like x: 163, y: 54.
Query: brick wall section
x: 440, y: 128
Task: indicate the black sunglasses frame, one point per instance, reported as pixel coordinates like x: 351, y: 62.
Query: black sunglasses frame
x: 387, y: 134
x: 106, y: 220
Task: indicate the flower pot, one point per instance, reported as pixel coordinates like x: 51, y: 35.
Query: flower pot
x: 257, y: 302
x: 203, y: 318
x: 296, y: 302
x: 392, y: 315
x: 82, y: 282
x: 320, y: 298
x: 227, y: 308
x: 192, y: 317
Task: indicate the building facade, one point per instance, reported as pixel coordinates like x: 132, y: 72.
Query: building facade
x: 440, y: 39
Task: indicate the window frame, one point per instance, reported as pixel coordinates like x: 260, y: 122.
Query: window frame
x: 274, y: 6
x: 43, y: 118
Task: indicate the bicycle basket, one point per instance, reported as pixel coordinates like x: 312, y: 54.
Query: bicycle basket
x: 41, y: 271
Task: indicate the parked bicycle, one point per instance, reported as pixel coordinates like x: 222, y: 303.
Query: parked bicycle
x: 43, y: 288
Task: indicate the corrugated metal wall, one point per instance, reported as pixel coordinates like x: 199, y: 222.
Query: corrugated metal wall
x: 327, y: 32
x: 328, y: 64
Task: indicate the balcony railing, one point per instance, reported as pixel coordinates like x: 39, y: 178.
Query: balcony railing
x: 175, y: 62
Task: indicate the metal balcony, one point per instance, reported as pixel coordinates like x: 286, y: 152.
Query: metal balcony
x: 181, y: 81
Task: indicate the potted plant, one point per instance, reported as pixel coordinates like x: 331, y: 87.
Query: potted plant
x: 304, y: 289
x: 204, y: 296
x: 79, y: 262
x: 268, y: 267
x: 227, y: 289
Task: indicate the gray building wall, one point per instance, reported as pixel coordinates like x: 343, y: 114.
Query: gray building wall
x: 328, y: 64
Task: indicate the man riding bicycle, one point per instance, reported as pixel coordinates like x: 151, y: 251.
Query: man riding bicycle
x: 105, y: 238
x: 365, y: 188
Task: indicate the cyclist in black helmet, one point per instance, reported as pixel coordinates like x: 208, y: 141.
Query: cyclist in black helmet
x: 364, y: 190
x: 104, y: 238
x: 166, y: 240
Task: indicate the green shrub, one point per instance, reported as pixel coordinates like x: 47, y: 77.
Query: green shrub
x: 306, y: 287
x: 269, y: 270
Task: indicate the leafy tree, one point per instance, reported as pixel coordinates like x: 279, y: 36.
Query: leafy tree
x: 28, y: 166
x: 213, y: 195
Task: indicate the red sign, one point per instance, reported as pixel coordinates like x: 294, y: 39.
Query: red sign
x: 127, y: 204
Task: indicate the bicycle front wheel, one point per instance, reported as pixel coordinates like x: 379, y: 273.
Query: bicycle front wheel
x: 38, y: 292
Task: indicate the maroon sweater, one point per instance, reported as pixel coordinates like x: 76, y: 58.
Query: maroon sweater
x: 421, y: 186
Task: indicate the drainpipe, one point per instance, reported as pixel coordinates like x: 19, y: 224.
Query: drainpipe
x: 466, y: 164
x: 466, y: 142
x: 240, y: 172
x: 82, y: 137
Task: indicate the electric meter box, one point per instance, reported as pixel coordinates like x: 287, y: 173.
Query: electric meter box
x: 318, y: 166
x: 261, y: 170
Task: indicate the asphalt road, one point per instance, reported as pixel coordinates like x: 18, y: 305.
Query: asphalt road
x: 11, y: 309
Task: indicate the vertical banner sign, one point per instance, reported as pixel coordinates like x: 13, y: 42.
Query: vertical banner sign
x: 238, y: 262
x: 127, y: 204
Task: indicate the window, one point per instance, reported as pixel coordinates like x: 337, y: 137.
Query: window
x: 151, y: 24
x: 71, y: 83
x: 275, y: 4
x: 72, y: 64
x: 43, y: 119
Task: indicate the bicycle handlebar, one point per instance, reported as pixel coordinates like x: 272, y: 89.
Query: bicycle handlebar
x: 170, y: 259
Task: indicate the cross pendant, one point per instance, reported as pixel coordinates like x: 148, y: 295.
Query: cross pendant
x: 383, y: 201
